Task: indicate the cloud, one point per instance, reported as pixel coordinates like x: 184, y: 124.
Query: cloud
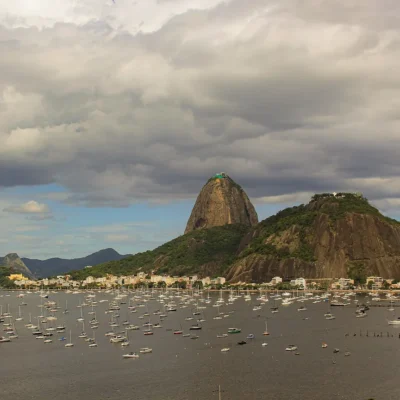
x: 30, y: 207
x: 284, y: 96
x: 115, y: 238
x: 117, y: 227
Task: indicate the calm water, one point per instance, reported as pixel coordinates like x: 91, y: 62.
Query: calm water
x: 181, y: 368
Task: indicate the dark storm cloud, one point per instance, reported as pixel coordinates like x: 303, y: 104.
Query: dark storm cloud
x: 286, y: 97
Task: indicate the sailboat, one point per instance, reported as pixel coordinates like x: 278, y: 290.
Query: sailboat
x: 218, y: 316
x: 83, y: 334
x: 13, y: 334
x: 81, y: 319
x: 266, y: 333
x: 70, y: 344
x: 274, y: 309
x: 125, y: 343
x: 19, y: 314
x: 93, y: 343
x: 66, y: 307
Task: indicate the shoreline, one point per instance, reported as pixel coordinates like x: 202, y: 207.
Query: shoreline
x: 339, y: 291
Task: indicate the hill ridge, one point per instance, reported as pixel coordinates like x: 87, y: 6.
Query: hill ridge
x: 325, y: 238
x: 59, y: 266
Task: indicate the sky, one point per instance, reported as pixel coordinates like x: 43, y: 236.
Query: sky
x: 113, y: 115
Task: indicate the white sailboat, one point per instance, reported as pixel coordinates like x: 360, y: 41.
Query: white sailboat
x: 93, y: 343
x: 70, y: 344
x: 19, y: 314
x: 266, y: 333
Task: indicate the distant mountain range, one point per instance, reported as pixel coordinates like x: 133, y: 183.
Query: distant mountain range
x: 60, y: 266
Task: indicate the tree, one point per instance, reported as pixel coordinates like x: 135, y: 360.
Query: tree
x: 198, y: 285
x: 369, y: 285
x: 385, y: 285
x: 357, y: 271
x: 161, y: 284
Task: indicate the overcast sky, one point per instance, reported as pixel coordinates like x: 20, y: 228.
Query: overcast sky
x: 113, y: 115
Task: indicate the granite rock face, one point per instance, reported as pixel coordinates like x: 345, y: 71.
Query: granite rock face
x: 328, y: 245
x: 221, y: 202
x: 16, y: 265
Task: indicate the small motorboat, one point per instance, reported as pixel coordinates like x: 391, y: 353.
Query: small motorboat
x: 324, y: 345
x: 145, y: 350
x: 250, y: 336
x: 291, y: 347
x: 336, y: 351
x: 131, y: 355
x: 195, y: 328
x: 264, y: 344
x: 242, y: 342
x: 225, y: 349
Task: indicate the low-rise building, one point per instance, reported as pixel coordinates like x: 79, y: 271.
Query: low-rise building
x: 275, y: 280
x: 17, y: 277
x: 376, y: 281
x: 301, y: 282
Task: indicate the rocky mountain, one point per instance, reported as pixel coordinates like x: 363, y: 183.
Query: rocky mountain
x: 60, y: 266
x: 15, y: 265
x: 221, y: 202
x: 332, y: 236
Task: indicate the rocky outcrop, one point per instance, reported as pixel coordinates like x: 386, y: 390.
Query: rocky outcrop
x: 221, y: 202
x: 367, y: 241
x: 16, y: 265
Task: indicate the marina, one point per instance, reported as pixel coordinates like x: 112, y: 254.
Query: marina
x: 106, y: 334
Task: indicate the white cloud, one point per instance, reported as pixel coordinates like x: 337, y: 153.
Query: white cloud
x: 115, y: 238
x: 30, y: 207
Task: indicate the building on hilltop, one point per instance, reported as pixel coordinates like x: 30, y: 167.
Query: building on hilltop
x: 220, y: 175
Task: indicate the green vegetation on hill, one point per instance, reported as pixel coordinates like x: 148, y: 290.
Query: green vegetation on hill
x: 287, y: 234
x: 300, y: 217
x: 4, y: 281
x: 183, y: 255
x: 337, y: 206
